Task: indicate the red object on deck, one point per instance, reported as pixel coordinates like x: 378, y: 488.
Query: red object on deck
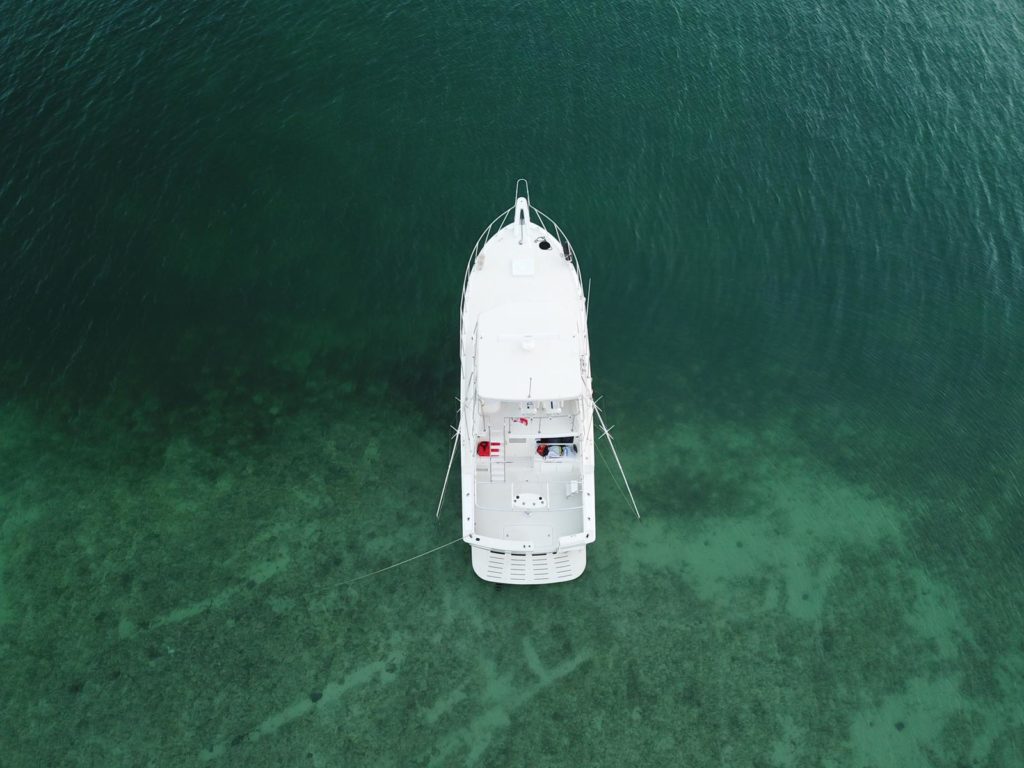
x: 486, y: 448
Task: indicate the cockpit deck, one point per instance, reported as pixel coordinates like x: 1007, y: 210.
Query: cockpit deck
x: 528, y: 474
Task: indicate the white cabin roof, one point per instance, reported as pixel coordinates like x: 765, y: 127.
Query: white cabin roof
x: 529, y: 351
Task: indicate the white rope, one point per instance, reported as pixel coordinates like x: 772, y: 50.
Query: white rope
x: 388, y: 568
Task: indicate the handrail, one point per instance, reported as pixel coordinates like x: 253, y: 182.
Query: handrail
x: 466, y: 416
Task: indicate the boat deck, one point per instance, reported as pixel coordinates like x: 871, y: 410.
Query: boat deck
x: 528, y: 508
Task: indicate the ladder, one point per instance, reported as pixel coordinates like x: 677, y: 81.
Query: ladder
x: 497, y: 462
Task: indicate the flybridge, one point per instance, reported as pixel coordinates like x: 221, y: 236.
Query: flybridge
x: 528, y: 351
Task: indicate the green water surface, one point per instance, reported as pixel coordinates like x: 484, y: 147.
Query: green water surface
x: 232, y: 239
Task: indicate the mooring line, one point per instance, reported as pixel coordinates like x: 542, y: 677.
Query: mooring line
x: 386, y: 568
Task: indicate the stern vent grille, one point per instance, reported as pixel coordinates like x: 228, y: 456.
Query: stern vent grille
x: 521, y: 568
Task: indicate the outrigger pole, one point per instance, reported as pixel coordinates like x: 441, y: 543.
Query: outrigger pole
x: 455, y: 447
x: 611, y: 444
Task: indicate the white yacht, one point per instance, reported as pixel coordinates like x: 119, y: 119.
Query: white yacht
x: 526, y: 406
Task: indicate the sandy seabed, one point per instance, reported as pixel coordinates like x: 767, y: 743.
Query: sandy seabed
x: 173, y: 594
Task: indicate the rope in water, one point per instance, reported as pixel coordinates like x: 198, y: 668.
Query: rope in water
x: 629, y: 501
x: 388, y: 567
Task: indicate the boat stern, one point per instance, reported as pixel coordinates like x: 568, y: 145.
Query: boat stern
x: 528, y: 567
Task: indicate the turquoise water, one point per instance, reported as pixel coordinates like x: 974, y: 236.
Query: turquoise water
x: 232, y: 240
